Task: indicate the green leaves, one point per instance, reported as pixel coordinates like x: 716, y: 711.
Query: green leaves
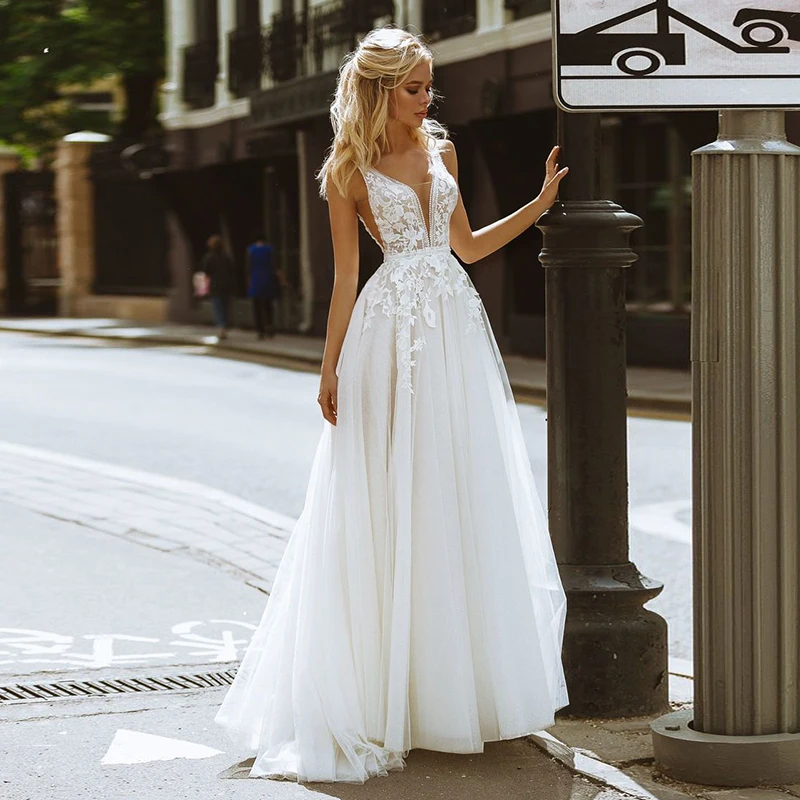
x: 49, y: 48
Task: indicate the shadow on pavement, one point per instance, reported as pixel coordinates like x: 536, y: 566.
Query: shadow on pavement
x: 515, y: 768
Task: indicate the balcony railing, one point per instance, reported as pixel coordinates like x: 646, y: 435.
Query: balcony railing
x: 245, y: 60
x: 527, y: 8
x: 314, y: 41
x: 442, y: 20
x: 200, y: 68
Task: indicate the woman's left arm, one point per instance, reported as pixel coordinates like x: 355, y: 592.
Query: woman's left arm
x: 471, y: 246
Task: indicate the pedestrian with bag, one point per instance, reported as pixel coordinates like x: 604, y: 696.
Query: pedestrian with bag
x: 219, y: 268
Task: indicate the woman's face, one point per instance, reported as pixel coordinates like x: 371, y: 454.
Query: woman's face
x: 409, y: 102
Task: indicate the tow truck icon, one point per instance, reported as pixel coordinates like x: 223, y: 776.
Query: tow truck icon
x: 640, y: 54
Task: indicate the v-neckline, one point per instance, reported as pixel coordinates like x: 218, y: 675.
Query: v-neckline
x: 426, y: 225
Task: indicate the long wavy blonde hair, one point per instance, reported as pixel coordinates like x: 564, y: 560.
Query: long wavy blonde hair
x: 360, y: 109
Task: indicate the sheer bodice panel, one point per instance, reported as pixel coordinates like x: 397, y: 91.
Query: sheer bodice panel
x: 409, y: 217
x: 419, y: 273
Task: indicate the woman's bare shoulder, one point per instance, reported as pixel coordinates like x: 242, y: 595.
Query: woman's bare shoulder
x: 357, y: 187
x: 355, y: 193
x: 448, y: 152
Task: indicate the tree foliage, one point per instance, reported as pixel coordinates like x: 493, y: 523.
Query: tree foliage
x: 50, y: 46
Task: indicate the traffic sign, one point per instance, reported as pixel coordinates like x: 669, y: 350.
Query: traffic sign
x: 676, y: 54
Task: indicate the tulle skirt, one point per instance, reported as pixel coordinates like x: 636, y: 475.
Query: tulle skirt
x: 418, y: 603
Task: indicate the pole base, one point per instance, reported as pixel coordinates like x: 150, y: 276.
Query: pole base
x: 688, y: 755
x: 615, y: 651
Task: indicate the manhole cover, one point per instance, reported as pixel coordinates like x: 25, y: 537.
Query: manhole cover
x: 62, y: 690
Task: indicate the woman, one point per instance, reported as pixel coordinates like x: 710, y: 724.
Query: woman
x: 418, y: 603
x: 264, y: 284
x: 218, y: 265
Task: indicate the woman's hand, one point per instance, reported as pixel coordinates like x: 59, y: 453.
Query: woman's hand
x: 328, y: 391
x: 552, y: 177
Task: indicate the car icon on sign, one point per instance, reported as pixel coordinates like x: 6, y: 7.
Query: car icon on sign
x: 763, y: 28
x: 640, y: 54
x: 636, y: 54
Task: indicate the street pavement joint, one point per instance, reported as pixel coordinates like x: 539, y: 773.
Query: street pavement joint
x: 221, y: 530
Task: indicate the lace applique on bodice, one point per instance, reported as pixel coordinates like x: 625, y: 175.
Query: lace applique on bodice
x: 418, y: 267
x: 398, y: 212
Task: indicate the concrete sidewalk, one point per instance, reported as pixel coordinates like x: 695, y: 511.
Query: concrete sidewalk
x: 607, y: 759
x: 651, y: 391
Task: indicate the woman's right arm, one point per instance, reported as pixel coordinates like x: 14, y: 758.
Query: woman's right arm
x: 344, y: 233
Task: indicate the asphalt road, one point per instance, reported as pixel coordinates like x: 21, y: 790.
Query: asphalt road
x: 87, y: 600
x: 252, y: 430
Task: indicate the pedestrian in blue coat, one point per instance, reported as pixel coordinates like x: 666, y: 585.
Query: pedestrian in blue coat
x: 265, y: 282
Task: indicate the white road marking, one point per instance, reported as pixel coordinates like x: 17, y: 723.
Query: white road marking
x: 132, y: 747
x: 216, y: 640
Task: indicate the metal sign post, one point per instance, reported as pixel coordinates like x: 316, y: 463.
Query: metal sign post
x: 744, y: 728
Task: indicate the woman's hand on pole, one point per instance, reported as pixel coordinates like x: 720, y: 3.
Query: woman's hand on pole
x: 552, y: 178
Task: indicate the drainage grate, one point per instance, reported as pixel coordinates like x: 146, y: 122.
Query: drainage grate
x: 30, y: 693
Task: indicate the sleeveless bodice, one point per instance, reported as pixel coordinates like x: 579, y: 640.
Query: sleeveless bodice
x: 398, y: 212
x: 419, y: 272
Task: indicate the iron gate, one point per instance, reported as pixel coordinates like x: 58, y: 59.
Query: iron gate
x: 32, y: 271
x: 130, y: 229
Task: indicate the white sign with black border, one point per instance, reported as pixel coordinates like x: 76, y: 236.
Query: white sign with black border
x: 676, y: 54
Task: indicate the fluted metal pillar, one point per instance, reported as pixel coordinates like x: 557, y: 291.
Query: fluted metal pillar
x: 745, y: 725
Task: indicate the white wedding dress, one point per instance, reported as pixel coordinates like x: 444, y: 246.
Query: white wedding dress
x: 418, y: 604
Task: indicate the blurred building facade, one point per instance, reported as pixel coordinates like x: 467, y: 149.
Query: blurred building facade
x: 246, y: 116
x: 32, y: 271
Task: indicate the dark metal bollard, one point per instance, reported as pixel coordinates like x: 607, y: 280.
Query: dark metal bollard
x: 615, y: 651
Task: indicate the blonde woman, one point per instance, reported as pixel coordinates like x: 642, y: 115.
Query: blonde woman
x: 418, y: 603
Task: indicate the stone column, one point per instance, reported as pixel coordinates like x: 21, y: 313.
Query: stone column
x: 179, y: 32
x: 745, y: 725
x: 490, y: 15
x: 75, y: 218
x: 9, y: 162
x: 226, y: 10
x: 306, y: 272
x: 410, y: 15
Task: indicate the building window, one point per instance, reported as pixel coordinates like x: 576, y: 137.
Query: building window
x: 201, y: 59
x: 646, y: 168
x: 315, y: 39
x: 527, y: 8
x: 248, y: 13
x: 206, y: 21
x: 452, y: 18
x: 245, y: 50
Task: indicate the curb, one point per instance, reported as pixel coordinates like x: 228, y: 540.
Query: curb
x: 253, y: 558
x: 580, y: 762
x: 637, y: 404
x: 153, y: 480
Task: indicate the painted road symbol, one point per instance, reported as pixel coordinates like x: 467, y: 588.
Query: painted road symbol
x: 133, y: 747
x: 676, y: 54
x: 216, y: 640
